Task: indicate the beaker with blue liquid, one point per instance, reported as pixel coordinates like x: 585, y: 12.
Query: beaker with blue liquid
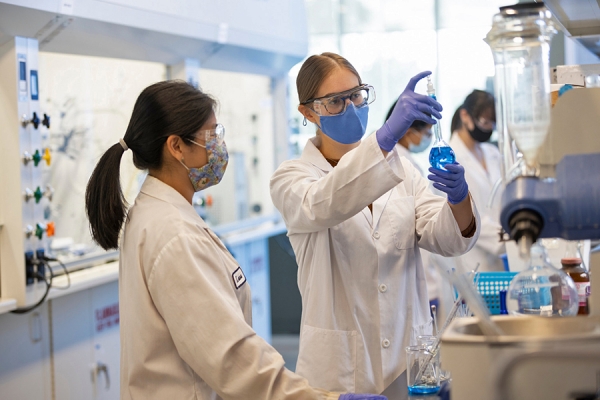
x: 429, y: 381
x: 441, y: 153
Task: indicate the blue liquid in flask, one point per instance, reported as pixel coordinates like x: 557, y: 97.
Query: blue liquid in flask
x: 423, y: 389
x: 439, y: 156
x: 441, y: 153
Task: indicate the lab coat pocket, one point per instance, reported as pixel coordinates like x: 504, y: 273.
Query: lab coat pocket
x: 401, y: 215
x: 327, y: 358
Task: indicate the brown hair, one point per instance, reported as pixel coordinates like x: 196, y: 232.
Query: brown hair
x: 315, y: 70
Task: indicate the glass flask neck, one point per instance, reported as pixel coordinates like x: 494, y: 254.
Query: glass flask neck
x: 439, y: 142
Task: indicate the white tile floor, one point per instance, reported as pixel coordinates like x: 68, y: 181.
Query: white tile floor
x: 287, y: 346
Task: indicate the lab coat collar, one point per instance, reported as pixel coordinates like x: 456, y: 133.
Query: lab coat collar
x: 156, y: 188
x: 312, y: 154
x: 466, y: 157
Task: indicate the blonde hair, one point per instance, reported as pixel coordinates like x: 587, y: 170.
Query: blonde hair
x: 315, y: 70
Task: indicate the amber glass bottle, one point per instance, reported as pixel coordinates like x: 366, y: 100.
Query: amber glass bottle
x: 580, y: 276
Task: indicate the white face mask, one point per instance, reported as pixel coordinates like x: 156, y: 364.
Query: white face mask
x: 422, y: 146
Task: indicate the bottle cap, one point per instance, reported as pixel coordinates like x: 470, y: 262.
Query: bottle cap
x: 430, y: 88
x: 570, y: 261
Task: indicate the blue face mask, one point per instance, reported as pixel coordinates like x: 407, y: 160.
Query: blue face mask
x: 347, y: 127
x: 422, y: 146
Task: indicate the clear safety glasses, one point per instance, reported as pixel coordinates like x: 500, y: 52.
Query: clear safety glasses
x: 484, y: 124
x: 206, y: 135
x: 334, y: 104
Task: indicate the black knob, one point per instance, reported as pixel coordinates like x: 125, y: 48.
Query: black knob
x: 35, y: 120
x: 46, y: 121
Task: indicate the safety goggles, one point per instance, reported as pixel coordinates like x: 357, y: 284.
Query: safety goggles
x: 218, y: 133
x: 484, y: 124
x: 334, y: 104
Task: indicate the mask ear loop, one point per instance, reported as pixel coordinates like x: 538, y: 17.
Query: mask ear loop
x: 184, y: 166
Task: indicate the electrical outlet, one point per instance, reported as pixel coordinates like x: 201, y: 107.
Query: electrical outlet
x: 41, y: 266
x: 29, y: 268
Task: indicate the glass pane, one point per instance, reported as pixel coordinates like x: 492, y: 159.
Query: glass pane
x: 246, y: 111
x: 389, y: 66
x: 89, y: 100
x: 407, y: 15
x: 461, y: 14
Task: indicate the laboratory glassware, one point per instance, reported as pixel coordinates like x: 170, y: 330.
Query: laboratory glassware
x: 429, y: 341
x: 503, y: 310
x: 520, y: 43
x: 572, y: 267
x: 441, y: 153
x: 542, y: 289
x: 420, y: 358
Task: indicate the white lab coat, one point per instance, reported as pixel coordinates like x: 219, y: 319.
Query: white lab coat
x: 431, y: 274
x: 364, y: 297
x: 488, y: 247
x: 186, y: 312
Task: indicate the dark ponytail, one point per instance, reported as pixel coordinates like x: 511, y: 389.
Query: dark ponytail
x: 163, y: 109
x: 104, y: 200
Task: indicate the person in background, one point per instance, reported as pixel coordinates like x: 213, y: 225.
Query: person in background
x: 357, y: 215
x: 417, y: 139
x: 472, y: 126
x: 185, y: 306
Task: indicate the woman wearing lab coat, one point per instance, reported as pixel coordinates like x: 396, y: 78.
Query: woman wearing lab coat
x: 185, y: 306
x: 472, y: 126
x: 356, y: 215
x: 416, y: 140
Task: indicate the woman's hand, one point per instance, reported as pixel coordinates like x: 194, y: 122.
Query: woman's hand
x: 352, y: 396
x: 409, y: 108
x: 452, y: 182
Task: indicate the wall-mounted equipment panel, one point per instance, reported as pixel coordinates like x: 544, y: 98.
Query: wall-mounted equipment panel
x: 26, y: 196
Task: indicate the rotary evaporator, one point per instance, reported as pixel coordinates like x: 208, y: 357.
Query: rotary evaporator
x: 550, y: 164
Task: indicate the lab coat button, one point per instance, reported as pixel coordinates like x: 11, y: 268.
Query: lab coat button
x: 376, y: 235
x: 383, y: 288
x: 385, y: 343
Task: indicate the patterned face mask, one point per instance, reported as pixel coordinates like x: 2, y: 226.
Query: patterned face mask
x: 211, y: 173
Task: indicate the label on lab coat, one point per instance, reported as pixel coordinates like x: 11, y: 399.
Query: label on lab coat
x: 238, y: 278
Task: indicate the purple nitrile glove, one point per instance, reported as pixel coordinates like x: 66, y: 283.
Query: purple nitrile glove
x: 452, y: 182
x: 353, y: 396
x: 409, y: 108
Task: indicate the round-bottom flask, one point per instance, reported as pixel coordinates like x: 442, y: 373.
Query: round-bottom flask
x: 542, y: 289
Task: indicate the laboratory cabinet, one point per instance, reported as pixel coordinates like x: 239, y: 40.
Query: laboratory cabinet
x: 67, y: 349
x: 24, y: 356
x: 253, y: 257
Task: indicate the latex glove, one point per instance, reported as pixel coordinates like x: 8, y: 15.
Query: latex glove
x: 353, y: 396
x: 452, y: 182
x: 409, y: 108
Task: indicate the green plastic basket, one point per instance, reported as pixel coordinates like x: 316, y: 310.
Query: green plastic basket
x: 489, y: 286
